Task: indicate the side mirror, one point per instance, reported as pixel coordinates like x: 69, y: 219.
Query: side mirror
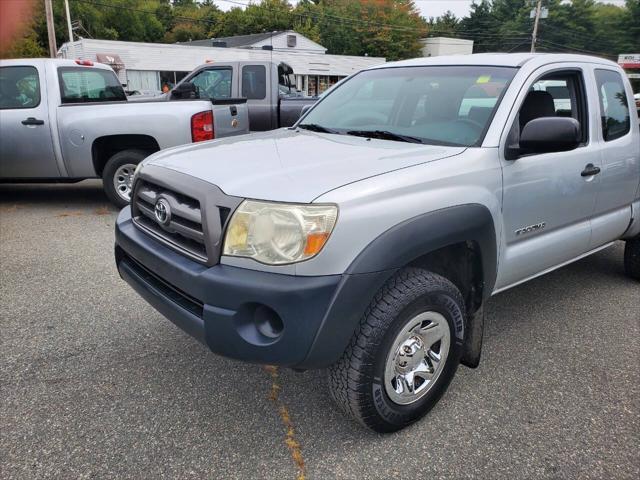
x: 305, y: 109
x: 550, y: 134
x: 184, y: 90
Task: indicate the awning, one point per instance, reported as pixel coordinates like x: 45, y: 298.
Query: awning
x: 111, y: 59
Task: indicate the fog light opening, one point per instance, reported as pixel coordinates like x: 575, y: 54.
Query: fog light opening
x: 268, y: 322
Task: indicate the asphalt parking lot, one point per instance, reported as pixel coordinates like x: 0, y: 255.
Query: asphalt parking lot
x: 96, y: 384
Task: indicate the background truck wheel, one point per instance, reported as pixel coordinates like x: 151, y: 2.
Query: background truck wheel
x: 118, y: 175
x: 404, y: 354
x: 632, y: 258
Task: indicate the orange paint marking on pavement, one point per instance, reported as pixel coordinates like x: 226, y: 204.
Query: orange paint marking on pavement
x: 290, y: 439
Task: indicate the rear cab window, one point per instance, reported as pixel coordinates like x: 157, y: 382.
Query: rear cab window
x: 614, y: 105
x: 19, y: 87
x: 89, y: 85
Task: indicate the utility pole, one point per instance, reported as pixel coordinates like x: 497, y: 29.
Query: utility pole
x: 51, y: 31
x: 534, y: 35
x: 66, y: 7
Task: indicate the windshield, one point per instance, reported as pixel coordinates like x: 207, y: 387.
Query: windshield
x: 442, y: 105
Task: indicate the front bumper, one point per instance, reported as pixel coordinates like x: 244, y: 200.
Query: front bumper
x: 261, y: 317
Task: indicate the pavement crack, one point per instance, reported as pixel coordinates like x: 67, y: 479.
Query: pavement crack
x: 290, y: 439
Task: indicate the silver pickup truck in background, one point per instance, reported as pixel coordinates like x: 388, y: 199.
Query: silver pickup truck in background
x: 269, y: 88
x: 66, y: 120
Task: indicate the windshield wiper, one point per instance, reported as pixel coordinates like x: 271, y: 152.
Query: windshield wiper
x: 384, y: 135
x: 314, y: 127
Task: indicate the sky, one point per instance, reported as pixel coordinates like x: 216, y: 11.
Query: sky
x: 428, y: 8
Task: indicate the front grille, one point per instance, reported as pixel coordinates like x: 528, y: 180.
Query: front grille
x: 184, y: 231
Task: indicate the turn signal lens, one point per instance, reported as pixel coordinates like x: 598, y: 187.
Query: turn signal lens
x: 315, y: 242
x: 277, y: 234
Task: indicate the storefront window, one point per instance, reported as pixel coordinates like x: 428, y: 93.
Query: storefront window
x: 180, y: 76
x: 323, y: 84
x: 313, y: 85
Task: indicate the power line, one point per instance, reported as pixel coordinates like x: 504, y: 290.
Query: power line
x: 576, y: 50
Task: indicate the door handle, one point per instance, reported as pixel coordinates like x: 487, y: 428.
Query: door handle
x: 233, y: 110
x: 32, y: 121
x: 590, y: 170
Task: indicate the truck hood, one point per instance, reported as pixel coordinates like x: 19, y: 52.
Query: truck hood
x: 293, y: 166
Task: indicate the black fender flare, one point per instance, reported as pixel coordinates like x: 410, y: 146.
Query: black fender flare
x: 391, y: 251
x: 417, y: 236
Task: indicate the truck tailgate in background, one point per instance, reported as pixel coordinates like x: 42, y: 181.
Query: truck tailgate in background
x: 230, y: 117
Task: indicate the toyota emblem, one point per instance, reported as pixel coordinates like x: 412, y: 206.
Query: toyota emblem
x: 163, y: 212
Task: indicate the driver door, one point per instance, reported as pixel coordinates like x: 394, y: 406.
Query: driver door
x: 548, y: 201
x: 26, y: 149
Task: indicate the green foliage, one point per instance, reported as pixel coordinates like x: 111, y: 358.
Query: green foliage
x: 388, y: 28
x: 578, y: 26
x: 385, y: 28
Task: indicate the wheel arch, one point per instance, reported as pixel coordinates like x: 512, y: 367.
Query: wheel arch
x: 426, y: 239
x: 103, y: 148
x: 441, y: 241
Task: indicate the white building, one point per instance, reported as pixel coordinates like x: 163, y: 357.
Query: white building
x: 149, y: 66
x: 436, y: 46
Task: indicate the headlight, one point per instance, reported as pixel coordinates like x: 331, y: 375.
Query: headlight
x: 276, y: 233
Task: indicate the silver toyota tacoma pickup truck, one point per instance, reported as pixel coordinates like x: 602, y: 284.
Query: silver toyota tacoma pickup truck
x: 367, y: 237
x: 66, y: 120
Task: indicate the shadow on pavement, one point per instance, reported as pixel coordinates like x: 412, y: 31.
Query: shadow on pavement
x: 86, y: 193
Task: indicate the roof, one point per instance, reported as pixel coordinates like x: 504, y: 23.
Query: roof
x: 172, y: 57
x: 235, y: 41
x: 498, y: 59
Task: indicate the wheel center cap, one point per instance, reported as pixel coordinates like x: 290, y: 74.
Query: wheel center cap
x: 410, y: 354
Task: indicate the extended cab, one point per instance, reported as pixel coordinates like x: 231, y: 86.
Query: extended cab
x: 368, y: 237
x: 65, y: 120
x: 269, y: 88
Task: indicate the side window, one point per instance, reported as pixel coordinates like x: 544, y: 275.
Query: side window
x: 614, y: 106
x: 559, y: 94
x: 563, y: 92
x: 254, y: 82
x: 213, y: 83
x: 19, y: 87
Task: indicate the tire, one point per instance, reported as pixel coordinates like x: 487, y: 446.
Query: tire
x: 116, y: 171
x: 362, y: 381
x: 632, y: 258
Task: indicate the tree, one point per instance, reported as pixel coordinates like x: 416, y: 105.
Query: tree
x: 388, y: 28
x: 482, y: 26
x: 444, y: 26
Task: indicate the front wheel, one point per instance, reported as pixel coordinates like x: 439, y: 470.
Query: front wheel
x: 404, y: 354
x: 117, y: 176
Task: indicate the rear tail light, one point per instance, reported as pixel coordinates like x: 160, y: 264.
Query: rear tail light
x: 202, y: 126
x: 85, y: 63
